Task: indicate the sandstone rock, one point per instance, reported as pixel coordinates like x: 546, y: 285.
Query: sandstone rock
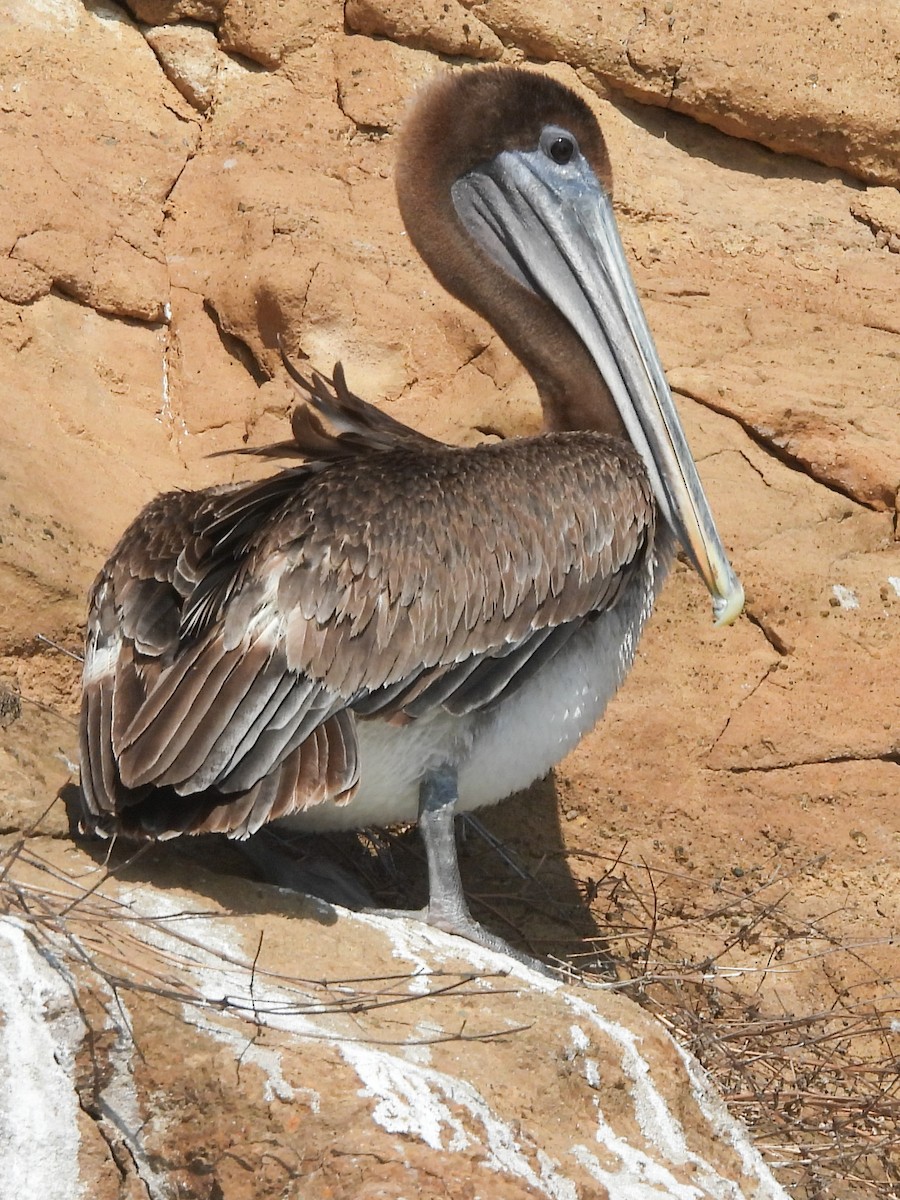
x: 89, y: 159
x: 805, y: 430
x: 158, y: 12
x: 365, y: 68
x: 794, y: 80
x: 264, y: 1076
x: 880, y: 209
x: 145, y: 274
x: 23, y: 282
x: 70, y: 391
x: 190, y: 57
x: 113, y: 278
x: 269, y: 33
x: 445, y: 28
x: 265, y: 33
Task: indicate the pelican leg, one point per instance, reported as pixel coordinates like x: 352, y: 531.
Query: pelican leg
x: 447, y: 908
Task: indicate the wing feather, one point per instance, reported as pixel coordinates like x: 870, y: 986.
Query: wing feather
x: 164, y: 723
x: 285, y: 700
x: 206, y: 738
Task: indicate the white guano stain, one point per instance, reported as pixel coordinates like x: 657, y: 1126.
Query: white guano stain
x: 215, y: 979
x: 591, y: 1073
x: 638, y: 1177
x: 846, y: 597
x: 403, y: 947
x: 408, y: 1097
x: 39, y: 1035
x: 118, y: 1099
x: 423, y: 945
x: 417, y: 1101
x: 575, y: 1050
x: 580, y: 1041
x: 411, y: 1098
x: 729, y: 1130
x: 417, y: 1049
x: 663, y: 1132
x: 166, y: 416
x: 658, y: 1125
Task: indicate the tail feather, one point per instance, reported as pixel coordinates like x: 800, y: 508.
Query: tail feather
x: 334, y: 423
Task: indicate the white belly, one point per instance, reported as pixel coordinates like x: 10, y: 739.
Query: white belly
x: 505, y: 749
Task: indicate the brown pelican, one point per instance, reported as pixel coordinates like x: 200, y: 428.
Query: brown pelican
x: 399, y: 629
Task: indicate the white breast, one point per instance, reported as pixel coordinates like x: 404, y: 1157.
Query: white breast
x: 503, y: 750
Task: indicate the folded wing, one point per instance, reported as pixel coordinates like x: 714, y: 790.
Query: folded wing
x: 237, y: 635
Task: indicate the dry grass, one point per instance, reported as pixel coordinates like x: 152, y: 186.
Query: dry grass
x: 818, y: 1086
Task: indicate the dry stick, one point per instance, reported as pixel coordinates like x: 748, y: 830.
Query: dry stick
x: 49, y: 709
x: 351, y: 1004
x: 258, y: 1031
x: 819, y: 1082
x: 654, y: 914
x: 184, y: 996
x: 40, y: 637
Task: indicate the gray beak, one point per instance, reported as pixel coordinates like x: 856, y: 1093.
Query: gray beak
x: 551, y: 227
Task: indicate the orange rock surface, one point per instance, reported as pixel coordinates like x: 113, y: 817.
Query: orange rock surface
x: 182, y: 180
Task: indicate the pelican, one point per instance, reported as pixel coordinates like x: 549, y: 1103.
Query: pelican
x: 398, y: 629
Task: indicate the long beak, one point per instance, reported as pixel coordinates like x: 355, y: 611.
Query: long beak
x: 552, y: 229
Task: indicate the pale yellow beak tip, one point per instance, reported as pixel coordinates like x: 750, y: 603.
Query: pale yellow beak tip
x: 729, y: 604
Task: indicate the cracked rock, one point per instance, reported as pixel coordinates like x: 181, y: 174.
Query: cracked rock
x: 190, y: 57
x: 443, y: 26
x: 880, y: 209
x: 769, y: 744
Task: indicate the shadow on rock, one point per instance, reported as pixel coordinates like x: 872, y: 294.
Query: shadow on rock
x: 512, y: 859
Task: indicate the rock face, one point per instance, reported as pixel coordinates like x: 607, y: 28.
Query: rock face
x: 182, y: 181
x: 800, y: 79
x: 431, y: 1076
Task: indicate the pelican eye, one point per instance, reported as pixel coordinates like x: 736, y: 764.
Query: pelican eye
x: 558, y: 144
